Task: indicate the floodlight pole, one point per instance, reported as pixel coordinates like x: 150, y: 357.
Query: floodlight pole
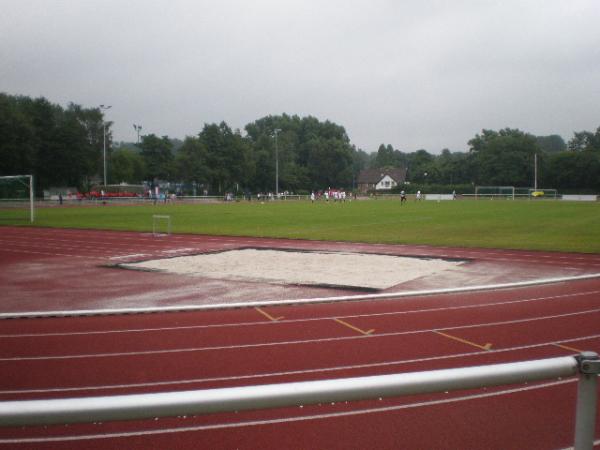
x: 104, y: 108
x: 535, y: 171
x: 137, y: 128
x: 276, y: 131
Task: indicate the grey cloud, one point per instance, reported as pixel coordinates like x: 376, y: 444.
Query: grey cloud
x: 414, y: 74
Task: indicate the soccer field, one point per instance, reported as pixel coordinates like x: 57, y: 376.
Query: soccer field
x: 558, y: 226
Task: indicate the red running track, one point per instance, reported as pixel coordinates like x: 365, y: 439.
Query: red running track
x: 103, y: 355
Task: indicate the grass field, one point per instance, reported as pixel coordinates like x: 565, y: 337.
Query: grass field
x: 546, y: 225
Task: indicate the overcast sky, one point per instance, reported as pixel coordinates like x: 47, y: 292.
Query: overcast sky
x: 410, y: 73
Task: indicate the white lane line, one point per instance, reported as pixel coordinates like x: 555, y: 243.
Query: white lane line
x: 103, y: 250
x: 220, y: 426
x: 56, y: 244
x: 311, y: 319
x: 296, y: 342
x: 113, y: 238
x: 113, y: 241
x: 595, y: 443
x: 134, y: 255
x: 4, y: 249
x: 300, y: 372
x: 263, y: 303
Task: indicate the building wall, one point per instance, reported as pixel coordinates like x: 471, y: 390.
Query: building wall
x: 385, y: 184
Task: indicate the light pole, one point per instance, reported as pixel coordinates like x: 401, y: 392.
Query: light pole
x: 137, y: 128
x: 104, y: 108
x: 276, y: 131
x: 535, y: 172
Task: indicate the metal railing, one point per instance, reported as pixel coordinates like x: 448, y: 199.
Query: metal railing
x: 206, y: 401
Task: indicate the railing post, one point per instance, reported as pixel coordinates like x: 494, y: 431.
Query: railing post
x: 587, y: 391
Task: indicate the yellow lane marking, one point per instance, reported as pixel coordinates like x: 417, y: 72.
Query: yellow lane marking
x: 269, y: 316
x: 464, y: 341
x: 566, y: 347
x: 366, y: 333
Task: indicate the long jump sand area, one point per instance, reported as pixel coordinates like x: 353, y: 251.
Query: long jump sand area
x: 43, y: 269
x: 344, y: 269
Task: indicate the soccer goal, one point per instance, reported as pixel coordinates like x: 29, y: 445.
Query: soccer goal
x: 161, y: 225
x: 492, y: 192
x: 16, y: 197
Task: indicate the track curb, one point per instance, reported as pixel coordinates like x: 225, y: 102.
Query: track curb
x: 263, y: 303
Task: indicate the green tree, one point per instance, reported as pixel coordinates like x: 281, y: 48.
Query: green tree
x: 330, y: 163
x: 127, y: 166
x: 574, y: 170
x: 54, y: 144
x: 503, y: 157
x: 451, y: 168
x: 18, y: 142
x: 360, y: 161
x: 585, y: 141
x: 551, y: 144
x: 158, y: 156
x: 300, y: 140
x: 228, y: 156
x: 191, y: 162
x: 421, y: 168
x: 386, y: 156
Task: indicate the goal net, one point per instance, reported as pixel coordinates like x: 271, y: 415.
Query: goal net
x: 16, y: 198
x: 161, y: 225
x: 492, y: 192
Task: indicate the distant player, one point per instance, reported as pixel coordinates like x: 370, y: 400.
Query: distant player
x: 312, y: 197
x: 402, y: 197
x: 418, y: 196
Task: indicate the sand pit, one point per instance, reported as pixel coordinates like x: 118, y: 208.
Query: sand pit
x: 336, y: 269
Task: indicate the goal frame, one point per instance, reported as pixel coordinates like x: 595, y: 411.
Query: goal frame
x: 31, y: 191
x: 157, y: 219
x: 498, y: 188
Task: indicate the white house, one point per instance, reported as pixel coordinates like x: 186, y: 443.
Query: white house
x: 380, y: 179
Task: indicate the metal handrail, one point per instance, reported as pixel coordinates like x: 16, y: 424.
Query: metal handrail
x: 206, y: 401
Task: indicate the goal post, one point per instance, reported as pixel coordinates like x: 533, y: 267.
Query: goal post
x: 161, y: 225
x: 17, y: 194
x: 492, y: 192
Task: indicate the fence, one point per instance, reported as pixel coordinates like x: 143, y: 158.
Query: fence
x: 146, y: 406
x: 579, y: 198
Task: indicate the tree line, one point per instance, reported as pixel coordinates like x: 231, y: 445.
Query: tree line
x: 506, y: 158
x: 64, y: 147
